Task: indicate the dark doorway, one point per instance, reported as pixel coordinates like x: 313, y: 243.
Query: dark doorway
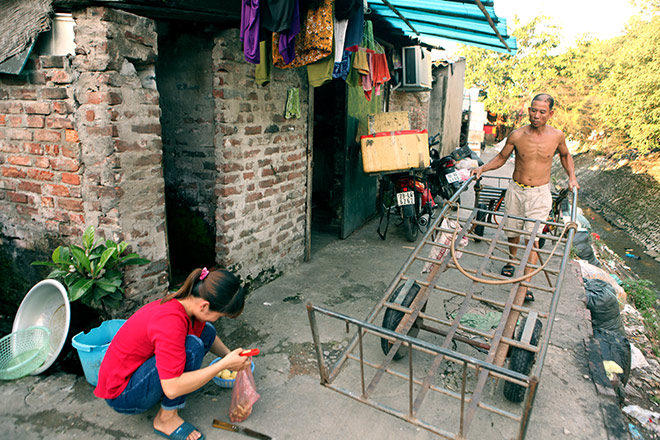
x: 185, y: 84
x: 329, y: 135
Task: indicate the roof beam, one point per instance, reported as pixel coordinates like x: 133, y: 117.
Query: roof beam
x: 490, y: 21
x: 389, y: 5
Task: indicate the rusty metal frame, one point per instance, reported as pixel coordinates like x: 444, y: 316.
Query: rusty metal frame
x: 470, y: 398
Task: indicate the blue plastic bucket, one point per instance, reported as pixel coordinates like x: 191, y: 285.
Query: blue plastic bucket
x: 92, y: 346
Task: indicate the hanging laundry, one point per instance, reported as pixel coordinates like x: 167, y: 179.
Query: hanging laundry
x: 314, y: 41
x: 277, y: 15
x: 287, y: 39
x: 354, y: 31
x: 339, y: 36
x: 249, y: 32
x: 381, y: 73
x: 345, y: 9
x: 320, y: 72
x: 262, y: 71
x: 292, y: 103
x: 342, y: 69
x: 368, y: 80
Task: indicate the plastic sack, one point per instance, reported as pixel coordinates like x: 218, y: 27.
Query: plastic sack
x: 243, y: 396
x: 437, y: 252
x: 467, y: 164
x: 591, y: 272
x: 583, y: 249
x: 604, y: 306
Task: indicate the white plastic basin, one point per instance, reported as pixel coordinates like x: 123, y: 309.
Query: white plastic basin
x: 47, y: 305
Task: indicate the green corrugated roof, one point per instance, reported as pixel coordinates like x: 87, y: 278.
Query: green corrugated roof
x: 462, y: 21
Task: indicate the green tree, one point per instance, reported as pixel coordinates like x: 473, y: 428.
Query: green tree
x: 507, y: 82
x: 632, y: 86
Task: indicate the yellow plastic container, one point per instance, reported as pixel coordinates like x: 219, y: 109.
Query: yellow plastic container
x: 395, y: 150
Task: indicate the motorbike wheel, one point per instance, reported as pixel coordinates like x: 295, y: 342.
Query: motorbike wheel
x: 410, y: 228
x: 521, y: 362
x: 393, y: 317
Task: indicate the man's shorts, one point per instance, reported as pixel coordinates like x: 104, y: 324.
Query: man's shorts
x: 534, y: 203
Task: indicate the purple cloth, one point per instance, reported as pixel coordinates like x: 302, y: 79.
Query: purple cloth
x: 250, y: 30
x: 287, y: 43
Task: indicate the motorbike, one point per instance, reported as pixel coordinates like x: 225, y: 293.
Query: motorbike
x: 444, y: 178
x: 410, y: 199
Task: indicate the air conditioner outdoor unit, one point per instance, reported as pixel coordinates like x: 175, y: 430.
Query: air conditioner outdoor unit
x: 416, y: 68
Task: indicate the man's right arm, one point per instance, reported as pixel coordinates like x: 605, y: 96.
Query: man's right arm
x: 499, y: 159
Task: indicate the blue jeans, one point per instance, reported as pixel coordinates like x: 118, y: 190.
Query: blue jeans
x: 144, y: 390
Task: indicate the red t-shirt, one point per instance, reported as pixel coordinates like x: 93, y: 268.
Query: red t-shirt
x: 159, y: 329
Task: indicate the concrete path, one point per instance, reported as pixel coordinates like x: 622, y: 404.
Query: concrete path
x: 348, y: 276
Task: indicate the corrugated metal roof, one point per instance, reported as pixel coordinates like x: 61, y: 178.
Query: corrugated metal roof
x: 471, y: 22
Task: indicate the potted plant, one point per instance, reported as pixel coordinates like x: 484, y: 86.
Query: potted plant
x: 93, y: 279
x: 92, y: 273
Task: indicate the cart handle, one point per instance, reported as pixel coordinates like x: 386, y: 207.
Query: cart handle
x: 452, y: 249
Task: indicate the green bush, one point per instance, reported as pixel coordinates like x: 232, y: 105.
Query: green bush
x: 641, y: 293
x: 92, y: 273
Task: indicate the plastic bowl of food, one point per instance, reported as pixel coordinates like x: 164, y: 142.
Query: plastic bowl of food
x: 23, y: 351
x: 46, y: 305
x: 225, y: 383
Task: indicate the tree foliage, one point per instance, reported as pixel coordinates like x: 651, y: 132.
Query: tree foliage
x: 604, y: 89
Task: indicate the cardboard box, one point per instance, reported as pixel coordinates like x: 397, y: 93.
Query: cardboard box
x: 390, y: 121
x: 395, y: 150
x: 381, y: 122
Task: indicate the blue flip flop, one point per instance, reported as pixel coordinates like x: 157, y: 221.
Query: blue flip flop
x: 180, y: 433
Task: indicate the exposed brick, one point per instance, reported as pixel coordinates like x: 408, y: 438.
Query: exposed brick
x: 71, y: 136
x: 51, y: 61
x: 42, y: 162
x: 37, y: 78
x: 147, y: 129
x: 30, y: 187
x: 33, y: 148
x: 17, y: 197
x: 75, y: 205
x: 253, y: 197
x: 15, y: 121
x: 253, y: 130
x: 70, y: 179
x: 23, y: 93
x: 3, y: 119
x: 115, y: 98
x: 62, y: 108
x: 12, y: 107
x: 19, y: 134
x: 37, y: 108
x: 228, y: 191
x: 53, y: 93
x: 90, y: 115
x: 47, y: 135
x: 19, y: 160
x: 106, y: 130
x: 60, y: 77
x: 48, y: 202
x: 40, y: 175
x: 52, y: 149
x: 35, y: 121
x: 13, y: 172
x: 57, y: 190
x: 55, y: 122
x: 61, y: 164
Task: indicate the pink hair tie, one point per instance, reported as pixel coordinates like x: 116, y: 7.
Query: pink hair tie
x: 204, y: 273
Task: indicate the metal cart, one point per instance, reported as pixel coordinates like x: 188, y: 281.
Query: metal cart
x: 451, y: 347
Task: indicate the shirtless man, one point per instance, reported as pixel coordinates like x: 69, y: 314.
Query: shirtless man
x: 528, y: 194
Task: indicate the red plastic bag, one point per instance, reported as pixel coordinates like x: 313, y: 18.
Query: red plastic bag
x: 243, y: 396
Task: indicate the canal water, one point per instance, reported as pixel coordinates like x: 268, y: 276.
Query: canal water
x: 621, y: 244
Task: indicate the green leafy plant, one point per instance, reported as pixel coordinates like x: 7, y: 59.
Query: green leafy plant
x: 92, y: 273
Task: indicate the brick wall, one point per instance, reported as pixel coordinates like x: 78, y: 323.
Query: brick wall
x: 40, y: 191
x: 415, y: 103
x: 118, y: 122
x: 262, y: 163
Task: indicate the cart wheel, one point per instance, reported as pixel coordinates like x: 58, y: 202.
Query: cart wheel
x: 410, y: 228
x: 481, y: 216
x: 521, y: 361
x: 393, y: 317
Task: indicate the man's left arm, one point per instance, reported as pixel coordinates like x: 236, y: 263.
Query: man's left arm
x: 567, y: 162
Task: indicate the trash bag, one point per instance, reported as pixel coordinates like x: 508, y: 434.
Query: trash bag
x: 591, y: 272
x: 604, y: 306
x: 243, y: 396
x: 583, y: 249
x: 615, y: 347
